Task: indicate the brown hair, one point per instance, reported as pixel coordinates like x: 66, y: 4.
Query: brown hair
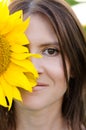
x: 73, y: 44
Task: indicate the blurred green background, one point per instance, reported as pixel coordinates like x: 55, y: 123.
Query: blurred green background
x: 74, y: 2
x: 71, y: 2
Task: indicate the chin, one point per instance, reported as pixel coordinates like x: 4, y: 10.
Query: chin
x: 34, y: 103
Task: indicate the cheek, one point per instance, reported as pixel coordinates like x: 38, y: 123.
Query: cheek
x: 54, y: 68
x: 55, y: 73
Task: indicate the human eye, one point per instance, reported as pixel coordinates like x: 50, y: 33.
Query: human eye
x: 50, y: 52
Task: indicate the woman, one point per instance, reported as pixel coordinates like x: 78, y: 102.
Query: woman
x: 56, y: 103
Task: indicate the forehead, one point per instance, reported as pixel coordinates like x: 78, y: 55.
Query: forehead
x: 40, y: 29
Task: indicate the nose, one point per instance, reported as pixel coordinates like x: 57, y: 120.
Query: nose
x: 38, y: 64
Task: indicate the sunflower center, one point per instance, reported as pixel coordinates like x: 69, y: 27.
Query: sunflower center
x: 4, y: 54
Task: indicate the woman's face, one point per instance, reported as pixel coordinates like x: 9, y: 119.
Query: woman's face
x: 51, y: 84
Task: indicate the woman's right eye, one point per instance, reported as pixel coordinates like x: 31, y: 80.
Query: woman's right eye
x: 50, y: 52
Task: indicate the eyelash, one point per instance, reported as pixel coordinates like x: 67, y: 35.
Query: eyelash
x: 50, y: 52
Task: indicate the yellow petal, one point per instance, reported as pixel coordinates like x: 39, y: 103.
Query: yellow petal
x: 27, y: 64
x: 2, y: 97
x: 21, y: 27
x: 7, y: 90
x: 20, y: 56
x: 31, y: 78
x: 17, y: 38
x: 22, y: 39
x: 16, y: 94
x: 3, y: 15
x: 11, y: 22
x: 17, y: 34
x: 35, y: 55
x: 17, y: 78
x: 4, y: 10
x: 16, y: 18
x: 10, y: 91
x: 18, y: 48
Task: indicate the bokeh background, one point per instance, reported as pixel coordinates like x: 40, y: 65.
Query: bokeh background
x: 79, y: 7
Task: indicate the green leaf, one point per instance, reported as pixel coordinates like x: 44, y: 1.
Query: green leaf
x: 71, y: 2
x: 85, y: 28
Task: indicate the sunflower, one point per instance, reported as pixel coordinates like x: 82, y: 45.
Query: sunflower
x: 16, y: 69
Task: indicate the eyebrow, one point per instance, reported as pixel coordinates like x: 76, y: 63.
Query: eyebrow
x: 49, y: 44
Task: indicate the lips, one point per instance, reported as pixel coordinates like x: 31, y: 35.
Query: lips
x: 40, y: 86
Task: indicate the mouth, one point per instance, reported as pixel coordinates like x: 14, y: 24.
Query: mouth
x: 40, y: 86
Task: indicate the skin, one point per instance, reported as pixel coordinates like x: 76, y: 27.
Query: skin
x: 41, y: 109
